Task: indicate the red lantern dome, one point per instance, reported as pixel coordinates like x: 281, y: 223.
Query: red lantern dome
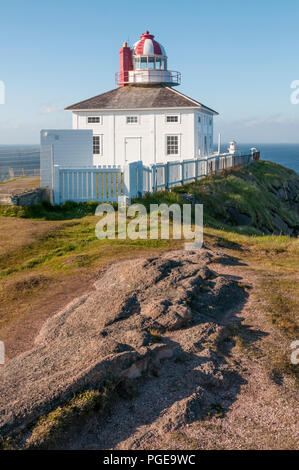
x: 148, y: 46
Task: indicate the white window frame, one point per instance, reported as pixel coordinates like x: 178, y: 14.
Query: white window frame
x: 132, y: 116
x: 100, y: 120
x: 100, y: 136
x: 199, y: 119
x: 178, y: 116
x: 179, y: 145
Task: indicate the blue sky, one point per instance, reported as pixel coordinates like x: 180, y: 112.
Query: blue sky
x: 236, y: 57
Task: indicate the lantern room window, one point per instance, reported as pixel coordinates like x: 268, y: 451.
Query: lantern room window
x: 152, y: 62
x: 158, y: 63
x: 143, y: 62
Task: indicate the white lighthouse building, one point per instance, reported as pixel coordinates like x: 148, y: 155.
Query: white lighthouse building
x: 145, y: 117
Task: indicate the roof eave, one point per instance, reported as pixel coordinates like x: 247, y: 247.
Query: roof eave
x: 142, y: 109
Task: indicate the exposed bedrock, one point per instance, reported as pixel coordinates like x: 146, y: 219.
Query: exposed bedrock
x: 109, y: 331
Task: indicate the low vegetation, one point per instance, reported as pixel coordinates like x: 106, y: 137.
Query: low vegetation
x: 52, y: 427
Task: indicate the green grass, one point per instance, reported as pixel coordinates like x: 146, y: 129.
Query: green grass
x: 9, y: 180
x: 280, y: 295
x: 52, y: 427
x: 249, y: 191
x: 76, y: 239
x: 45, y: 211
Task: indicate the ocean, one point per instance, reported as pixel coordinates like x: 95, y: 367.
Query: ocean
x: 16, y: 158
x: 284, y: 154
x: 27, y: 157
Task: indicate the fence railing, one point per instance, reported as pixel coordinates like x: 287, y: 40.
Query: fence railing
x: 18, y: 172
x: 87, y: 184
x: 142, y: 179
x: 108, y: 184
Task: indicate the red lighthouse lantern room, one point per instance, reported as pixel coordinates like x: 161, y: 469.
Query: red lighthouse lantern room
x: 145, y: 64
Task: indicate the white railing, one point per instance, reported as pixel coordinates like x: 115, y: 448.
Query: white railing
x: 87, y: 184
x: 147, y: 179
x: 108, y: 184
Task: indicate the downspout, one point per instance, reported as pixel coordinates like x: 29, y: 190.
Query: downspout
x: 114, y: 160
x: 155, y: 140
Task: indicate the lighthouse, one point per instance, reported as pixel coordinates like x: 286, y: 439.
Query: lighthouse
x: 145, y: 117
x: 145, y: 64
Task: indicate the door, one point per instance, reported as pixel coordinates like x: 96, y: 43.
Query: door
x: 132, y: 149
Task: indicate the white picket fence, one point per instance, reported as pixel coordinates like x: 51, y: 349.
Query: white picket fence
x: 108, y: 184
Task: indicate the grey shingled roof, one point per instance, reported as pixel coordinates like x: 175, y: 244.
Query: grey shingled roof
x: 138, y: 97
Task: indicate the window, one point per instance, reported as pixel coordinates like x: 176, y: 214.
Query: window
x: 172, y: 145
x: 172, y: 118
x: 158, y: 63
x: 132, y: 119
x: 97, y: 145
x: 151, y: 62
x: 94, y: 120
x: 143, y: 64
x: 199, y: 118
x: 137, y: 62
x: 211, y: 121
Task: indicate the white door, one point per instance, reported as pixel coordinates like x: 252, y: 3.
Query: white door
x: 132, y: 149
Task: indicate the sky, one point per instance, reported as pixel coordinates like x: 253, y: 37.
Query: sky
x: 236, y: 57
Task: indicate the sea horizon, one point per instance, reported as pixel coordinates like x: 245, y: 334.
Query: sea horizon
x: 27, y: 156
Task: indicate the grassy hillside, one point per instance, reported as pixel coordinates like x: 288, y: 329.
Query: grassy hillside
x: 261, y: 199
x: 49, y: 255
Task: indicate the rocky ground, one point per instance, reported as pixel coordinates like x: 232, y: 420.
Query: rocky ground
x: 186, y: 328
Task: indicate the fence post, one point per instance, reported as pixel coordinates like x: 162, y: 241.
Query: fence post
x: 154, y: 178
x: 140, y: 189
x: 56, y: 185
x: 166, y: 170
x: 127, y: 181
x: 133, y: 179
